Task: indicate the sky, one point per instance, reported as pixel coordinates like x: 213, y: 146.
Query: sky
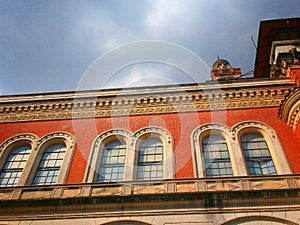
x: 57, y: 46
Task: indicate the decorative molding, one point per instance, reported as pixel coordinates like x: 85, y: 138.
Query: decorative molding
x: 39, y: 145
x: 255, y: 124
x: 290, y: 109
x: 154, y: 100
x: 63, y: 135
x: 199, y: 195
x: 218, y: 127
x: 259, y: 218
x: 106, y: 134
x: 22, y: 137
x: 232, y: 136
x: 153, y: 129
x: 131, y: 140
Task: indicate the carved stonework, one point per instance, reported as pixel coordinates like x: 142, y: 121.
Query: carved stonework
x: 63, y: 135
x: 22, y: 137
x: 115, y: 132
x: 290, y: 109
x: 249, y: 124
x: 190, y: 98
x: 107, y: 191
x: 156, y: 189
x: 269, y: 184
x: 151, y: 130
x: 210, y: 127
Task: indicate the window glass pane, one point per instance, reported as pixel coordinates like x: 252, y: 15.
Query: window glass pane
x: 112, y: 163
x: 14, y: 165
x: 216, y: 157
x: 257, y: 155
x: 150, y: 160
x: 50, y: 165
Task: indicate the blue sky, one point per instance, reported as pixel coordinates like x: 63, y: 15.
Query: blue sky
x: 49, y: 46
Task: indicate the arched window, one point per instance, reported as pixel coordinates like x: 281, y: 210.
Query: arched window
x: 14, y: 165
x: 118, y: 155
x: 50, y: 164
x: 216, y: 157
x: 112, y: 163
x: 257, y: 155
x: 150, y: 160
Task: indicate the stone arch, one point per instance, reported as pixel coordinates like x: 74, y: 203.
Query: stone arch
x: 250, y: 220
x: 290, y: 109
x: 15, y: 140
x: 126, y: 222
x: 196, y: 139
x: 43, y: 143
x: 168, y: 150
x: 98, y: 146
x: 10, y: 144
x: 269, y: 134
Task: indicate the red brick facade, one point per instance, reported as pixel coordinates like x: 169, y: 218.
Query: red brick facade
x: 222, y: 152
x: 180, y: 125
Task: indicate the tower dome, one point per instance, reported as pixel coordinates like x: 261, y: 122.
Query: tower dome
x: 221, y: 63
x: 222, y: 70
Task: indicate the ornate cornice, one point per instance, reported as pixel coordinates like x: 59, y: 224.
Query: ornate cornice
x: 140, y: 101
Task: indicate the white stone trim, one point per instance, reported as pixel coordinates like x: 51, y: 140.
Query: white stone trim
x: 9, y: 145
x: 97, y: 150
x: 232, y: 137
x: 277, y: 152
x: 38, y: 147
x: 42, y: 145
x: 132, y: 141
x: 168, y: 146
x: 199, y: 135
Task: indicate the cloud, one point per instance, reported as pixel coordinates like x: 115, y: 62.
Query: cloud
x: 146, y: 74
x: 101, y: 31
x: 47, y: 45
x: 171, y: 18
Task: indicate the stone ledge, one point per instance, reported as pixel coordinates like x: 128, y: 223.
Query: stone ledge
x: 233, y: 184
x: 211, y: 201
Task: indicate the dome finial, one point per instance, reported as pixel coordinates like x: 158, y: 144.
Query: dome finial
x: 222, y: 70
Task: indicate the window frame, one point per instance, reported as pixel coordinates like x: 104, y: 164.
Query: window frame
x: 98, y: 171
x: 232, y: 137
x: 166, y: 138
x: 202, y: 132
x: 98, y: 146
x: 16, y: 169
x: 219, y: 151
x: 11, y: 144
x: 276, y: 150
x: 140, y: 164
x: 256, y: 160
x: 132, y: 141
x: 43, y: 143
x: 41, y: 169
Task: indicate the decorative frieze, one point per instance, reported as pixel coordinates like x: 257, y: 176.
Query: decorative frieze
x: 189, y: 98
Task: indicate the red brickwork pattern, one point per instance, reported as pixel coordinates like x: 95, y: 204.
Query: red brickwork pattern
x: 181, y: 126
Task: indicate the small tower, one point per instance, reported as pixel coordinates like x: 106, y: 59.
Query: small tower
x: 222, y: 70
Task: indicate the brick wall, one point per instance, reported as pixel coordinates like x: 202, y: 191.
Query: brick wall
x: 181, y: 125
